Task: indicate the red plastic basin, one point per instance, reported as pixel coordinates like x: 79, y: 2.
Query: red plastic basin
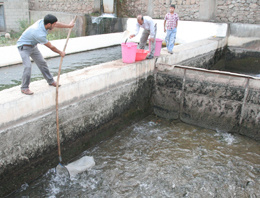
x: 141, y: 54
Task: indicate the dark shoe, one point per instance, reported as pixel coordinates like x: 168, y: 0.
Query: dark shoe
x: 54, y: 84
x: 27, y: 91
x: 149, y: 57
x: 170, y: 52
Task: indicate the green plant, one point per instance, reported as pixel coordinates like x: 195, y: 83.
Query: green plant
x: 24, y: 24
x: 2, y: 40
x: 59, y: 34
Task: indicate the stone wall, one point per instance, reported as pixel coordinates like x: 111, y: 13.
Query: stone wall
x: 187, y: 9
x: 242, y: 11
x: 71, y: 6
x: 229, y: 11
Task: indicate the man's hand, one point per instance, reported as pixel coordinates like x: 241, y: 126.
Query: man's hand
x: 62, y: 54
x: 63, y: 25
x: 132, y: 36
x: 164, y: 29
x: 71, y: 25
x: 151, y: 39
x: 54, y: 49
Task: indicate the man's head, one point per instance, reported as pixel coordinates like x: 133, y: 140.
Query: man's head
x: 172, y: 8
x: 49, y: 21
x: 140, y: 19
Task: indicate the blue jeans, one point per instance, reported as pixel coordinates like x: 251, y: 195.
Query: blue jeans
x: 170, y: 39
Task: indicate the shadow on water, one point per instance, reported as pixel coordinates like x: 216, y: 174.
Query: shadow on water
x: 11, y: 76
x: 159, y: 158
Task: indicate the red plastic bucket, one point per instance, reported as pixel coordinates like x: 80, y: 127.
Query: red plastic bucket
x: 158, y: 47
x: 141, y: 54
x: 129, y: 52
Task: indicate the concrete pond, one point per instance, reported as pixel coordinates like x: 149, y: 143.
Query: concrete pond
x: 96, y: 101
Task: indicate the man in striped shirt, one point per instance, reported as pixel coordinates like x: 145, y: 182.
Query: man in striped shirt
x: 171, y: 20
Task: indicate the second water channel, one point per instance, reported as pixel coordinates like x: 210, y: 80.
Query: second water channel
x: 11, y: 76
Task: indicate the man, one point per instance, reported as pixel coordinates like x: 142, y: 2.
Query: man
x: 172, y: 22
x: 27, y: 47
x: 150, y: 28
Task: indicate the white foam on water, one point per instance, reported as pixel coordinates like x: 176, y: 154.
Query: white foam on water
x: 227, y: 137
x: 99, y: 18
x: 54, y: 189
x: 159, y: 138
x: 24, y: 186
x: 151, y: 123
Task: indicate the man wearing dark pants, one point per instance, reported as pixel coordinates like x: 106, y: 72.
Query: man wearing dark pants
x: 27, y: 47
x: 150, y: 28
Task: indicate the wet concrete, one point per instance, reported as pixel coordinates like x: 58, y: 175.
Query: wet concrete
x: 243, y: 59
x: 211, y: 99
x: 104, y: 24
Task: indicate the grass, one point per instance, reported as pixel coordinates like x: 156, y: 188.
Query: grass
x: 23, y: 25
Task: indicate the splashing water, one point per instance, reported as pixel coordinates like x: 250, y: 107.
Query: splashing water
x: 227, y: 137
x: 99, y: 18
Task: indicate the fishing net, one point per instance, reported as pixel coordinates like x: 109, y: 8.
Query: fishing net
x: 62, y: 171
x: 81, y: 165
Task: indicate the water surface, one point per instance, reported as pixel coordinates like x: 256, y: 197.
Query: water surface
x: 159, y: 158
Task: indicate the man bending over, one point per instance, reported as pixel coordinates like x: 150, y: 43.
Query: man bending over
x: 27, y: 47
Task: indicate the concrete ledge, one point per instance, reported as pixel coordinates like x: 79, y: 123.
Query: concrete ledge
x: 16, y: 106
x: 187, y: 31
x: 191, y: 50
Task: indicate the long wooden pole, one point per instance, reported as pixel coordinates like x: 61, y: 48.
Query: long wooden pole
x: 57, y: 94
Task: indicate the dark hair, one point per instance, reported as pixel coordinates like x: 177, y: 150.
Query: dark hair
x: 49, y: 18
x: 172, y: 6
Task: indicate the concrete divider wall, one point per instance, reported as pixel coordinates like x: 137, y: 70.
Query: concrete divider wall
x: 243, y: 33
x: 202, y: 49
x: 215, y: 100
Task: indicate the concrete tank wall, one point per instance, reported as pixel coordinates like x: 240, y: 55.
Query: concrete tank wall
x: 88, y: 99
x: 215, y: 100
